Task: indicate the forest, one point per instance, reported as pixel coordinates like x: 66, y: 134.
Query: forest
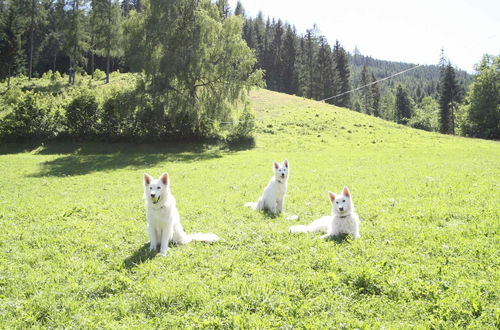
x: 185, y: 56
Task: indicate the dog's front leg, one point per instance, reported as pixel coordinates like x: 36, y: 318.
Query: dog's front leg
x: 279, y: 205
x: 165, y: 240
x: 152, y: 238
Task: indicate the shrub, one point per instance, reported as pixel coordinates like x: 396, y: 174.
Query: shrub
x: 31, y: 118
x: 117, y: 116
x: 82, y: 115
x: 243, y: 130
x: 99, y: 75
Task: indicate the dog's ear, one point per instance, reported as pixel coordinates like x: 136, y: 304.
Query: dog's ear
x: 331, y: 196
x: 286, y: 163
x: 346, y: 192
x: 147, y: 178
x: 164, y: 178
x: 276, y: 165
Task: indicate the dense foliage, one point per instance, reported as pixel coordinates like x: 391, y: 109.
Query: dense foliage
x: 195, y: 69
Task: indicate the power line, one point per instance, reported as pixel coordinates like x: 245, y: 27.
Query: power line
x: 328, y: 98
x: 372, y: 83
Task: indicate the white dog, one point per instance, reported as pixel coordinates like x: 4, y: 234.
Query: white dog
x: 273, y: 197
x: 164, y: 225
x: 344, y: 219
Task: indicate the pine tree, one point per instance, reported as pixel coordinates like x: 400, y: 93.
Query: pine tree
x: 106, y: 27
x: 75, y: 35
x: 376, y: 97
x: 239, y: 10
x: 323, y: 82
x: 11, y: 28
x: 289, y: 76
x: 366, y: 92
x: 448, y: 99
x: 342, y: 70
x: 275, y: 52
x: 403, y: 109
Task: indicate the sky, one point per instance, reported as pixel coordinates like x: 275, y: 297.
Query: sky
x: 396, y: 30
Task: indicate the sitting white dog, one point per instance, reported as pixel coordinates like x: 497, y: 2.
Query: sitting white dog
x: 344, y: 219
x: 164, y: 225
x: 273, y: 197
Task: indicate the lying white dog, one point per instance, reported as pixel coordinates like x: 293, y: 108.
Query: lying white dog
x: 164, y: 225
x: 273, y: 197
x: 344, y: 219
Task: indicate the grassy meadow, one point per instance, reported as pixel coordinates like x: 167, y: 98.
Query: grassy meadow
x: 74, y: 247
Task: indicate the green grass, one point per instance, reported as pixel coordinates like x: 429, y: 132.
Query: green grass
x: 73, y: 244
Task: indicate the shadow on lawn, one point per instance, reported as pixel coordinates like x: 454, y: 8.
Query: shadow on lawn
x: 141, y: 255
x: 84, y: 158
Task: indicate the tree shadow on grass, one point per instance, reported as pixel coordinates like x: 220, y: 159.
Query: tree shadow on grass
x: 140, y: 256
x: 84, y: 158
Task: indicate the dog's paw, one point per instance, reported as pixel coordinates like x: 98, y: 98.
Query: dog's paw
x: 298, y: 229
x: 164, y: 252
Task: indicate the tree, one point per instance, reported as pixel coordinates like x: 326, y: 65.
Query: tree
x: 448, y: 99
x: 403, y: 106
x: 483, y: 109
x: 366, y: 92
x: 289, y: 76
x: 376, y: 97
x: 107, y: 30
x: 239, y: 10
x: 196, y: 65
x: 75, y: 35
x: 323, y: 72
x: 11, y: 28
x: 343, y: 73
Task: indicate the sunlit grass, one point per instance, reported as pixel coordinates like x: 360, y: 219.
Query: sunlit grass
x: 73, y: 245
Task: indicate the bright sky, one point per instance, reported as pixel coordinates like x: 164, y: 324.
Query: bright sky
x: 399, y: 30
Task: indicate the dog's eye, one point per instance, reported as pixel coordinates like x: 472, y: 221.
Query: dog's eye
x: 158, y: 188
x: 150, y: 188
x: 337, y: 202
x: 343, y: 201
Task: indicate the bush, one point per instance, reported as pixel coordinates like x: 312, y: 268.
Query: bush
x: 243, y: 130
x: 82, y: 115
x: 117, y: 116
x: 99, y: 75
x: 31, y: 118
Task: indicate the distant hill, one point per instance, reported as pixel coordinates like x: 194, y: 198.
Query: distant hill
x: 421, y: 82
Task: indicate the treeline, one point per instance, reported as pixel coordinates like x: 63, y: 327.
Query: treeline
x: 195, y: 63
x: 194, y: 69
x: 431, y: 97
x: 304, y: 65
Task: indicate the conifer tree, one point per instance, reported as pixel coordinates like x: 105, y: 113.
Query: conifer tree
x: 366, y: 92
x: 448, y: 99
x: 342, y: 70
x: 376, y: 97
x: 289, y: 75
x: 403, y: 109
x: 107, y: 30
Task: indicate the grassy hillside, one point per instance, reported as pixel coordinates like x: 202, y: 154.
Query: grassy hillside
x: 73, y: 245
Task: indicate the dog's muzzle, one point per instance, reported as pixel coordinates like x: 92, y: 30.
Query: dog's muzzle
x: 155, y: 199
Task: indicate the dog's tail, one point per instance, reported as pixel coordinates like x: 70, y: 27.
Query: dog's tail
x: 252, y: 205
x: 203, y: 237
x: 320, y: 224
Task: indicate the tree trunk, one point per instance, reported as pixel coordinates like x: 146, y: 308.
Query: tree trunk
x: 108, y: 44
x: 92, y: 67
x: 32, y: 27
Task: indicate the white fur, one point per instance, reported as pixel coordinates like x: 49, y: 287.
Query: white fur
x: 273, y: 198
x: 164, y: 224
x: 344, y: 219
